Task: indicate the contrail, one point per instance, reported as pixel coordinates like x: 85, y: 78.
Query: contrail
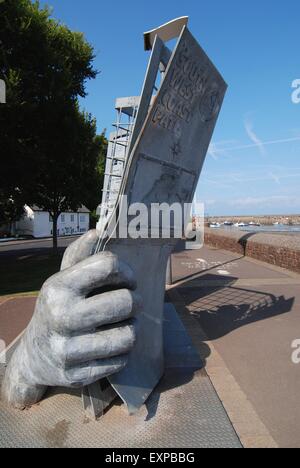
x: 263, y: 143
x: 257, y: 142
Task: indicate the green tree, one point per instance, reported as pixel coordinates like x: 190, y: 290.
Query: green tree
x: 68, y: 172
x: 95, y: 195
x: 50, y: 151
x: 11, y: 209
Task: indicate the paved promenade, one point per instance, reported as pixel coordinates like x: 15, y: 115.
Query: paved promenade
x: 249, y: 313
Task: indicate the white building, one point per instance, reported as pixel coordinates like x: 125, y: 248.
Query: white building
x: 38, y: 223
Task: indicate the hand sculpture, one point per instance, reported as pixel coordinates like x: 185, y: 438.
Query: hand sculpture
x: 82, y: 329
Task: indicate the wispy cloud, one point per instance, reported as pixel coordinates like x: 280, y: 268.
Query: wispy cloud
x: 212, y: 151
x: 219, y: 148
x: 275, y: 177
x: 254, y: 138
x: 215, y: 182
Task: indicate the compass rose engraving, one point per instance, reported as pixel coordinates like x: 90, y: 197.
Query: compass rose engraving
x: 176, y: 150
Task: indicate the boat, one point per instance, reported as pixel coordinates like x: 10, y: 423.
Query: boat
x: 253, y: 224
x: 228, y: 223
x: 239, y: 225
x: 215, y: 225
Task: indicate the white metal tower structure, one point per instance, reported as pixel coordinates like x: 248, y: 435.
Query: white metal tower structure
x: 117, y: 154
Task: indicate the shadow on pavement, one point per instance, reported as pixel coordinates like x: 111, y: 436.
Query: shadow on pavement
x: 244, y: 241
x: 221, y: 307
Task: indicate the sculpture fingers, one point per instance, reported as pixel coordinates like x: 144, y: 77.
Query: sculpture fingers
x: 79, y: 250
x: 101, y: 345
x: 103, y: 269
x: 88, y: 373
x: 104, y: 309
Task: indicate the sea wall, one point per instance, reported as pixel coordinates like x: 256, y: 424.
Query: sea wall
x: 282, y: 250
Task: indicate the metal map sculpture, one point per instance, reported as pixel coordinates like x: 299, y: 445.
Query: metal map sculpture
x: 102, y: 315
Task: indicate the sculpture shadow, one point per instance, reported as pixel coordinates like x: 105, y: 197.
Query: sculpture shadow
x: 243, y: 241
x: 220, y: 306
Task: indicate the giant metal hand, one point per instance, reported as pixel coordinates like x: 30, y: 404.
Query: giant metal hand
x: 76, y: 337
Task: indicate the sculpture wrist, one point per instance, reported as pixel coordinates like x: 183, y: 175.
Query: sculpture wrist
x: 19, y: 388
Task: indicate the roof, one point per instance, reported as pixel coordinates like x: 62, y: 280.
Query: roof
x: 82, y: 209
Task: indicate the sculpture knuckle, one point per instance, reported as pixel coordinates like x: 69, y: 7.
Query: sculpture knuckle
x: 91, y: 236
x: 130, y: 337
x: 51, y: 289
x: 67, y: 258
x: 47, y: 288
x: 111, y: 260
x: 68, y: 250
x: 126, y: 298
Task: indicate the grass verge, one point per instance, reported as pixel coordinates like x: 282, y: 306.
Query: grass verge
x: 26, y: 274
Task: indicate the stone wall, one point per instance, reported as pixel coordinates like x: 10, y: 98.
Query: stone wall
x: 282, y: 250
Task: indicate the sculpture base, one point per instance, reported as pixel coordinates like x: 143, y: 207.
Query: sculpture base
x: 184, y: 411
x: 96, y: 398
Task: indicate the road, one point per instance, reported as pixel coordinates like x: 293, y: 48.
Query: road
x: 13, y: 248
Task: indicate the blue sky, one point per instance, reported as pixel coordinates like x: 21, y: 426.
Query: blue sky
x: 253, y: 166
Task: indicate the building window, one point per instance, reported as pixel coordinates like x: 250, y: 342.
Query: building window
x: 72, y: 218
x: 50, y: 218
x: 82, y: 218
x: 63, y: 218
